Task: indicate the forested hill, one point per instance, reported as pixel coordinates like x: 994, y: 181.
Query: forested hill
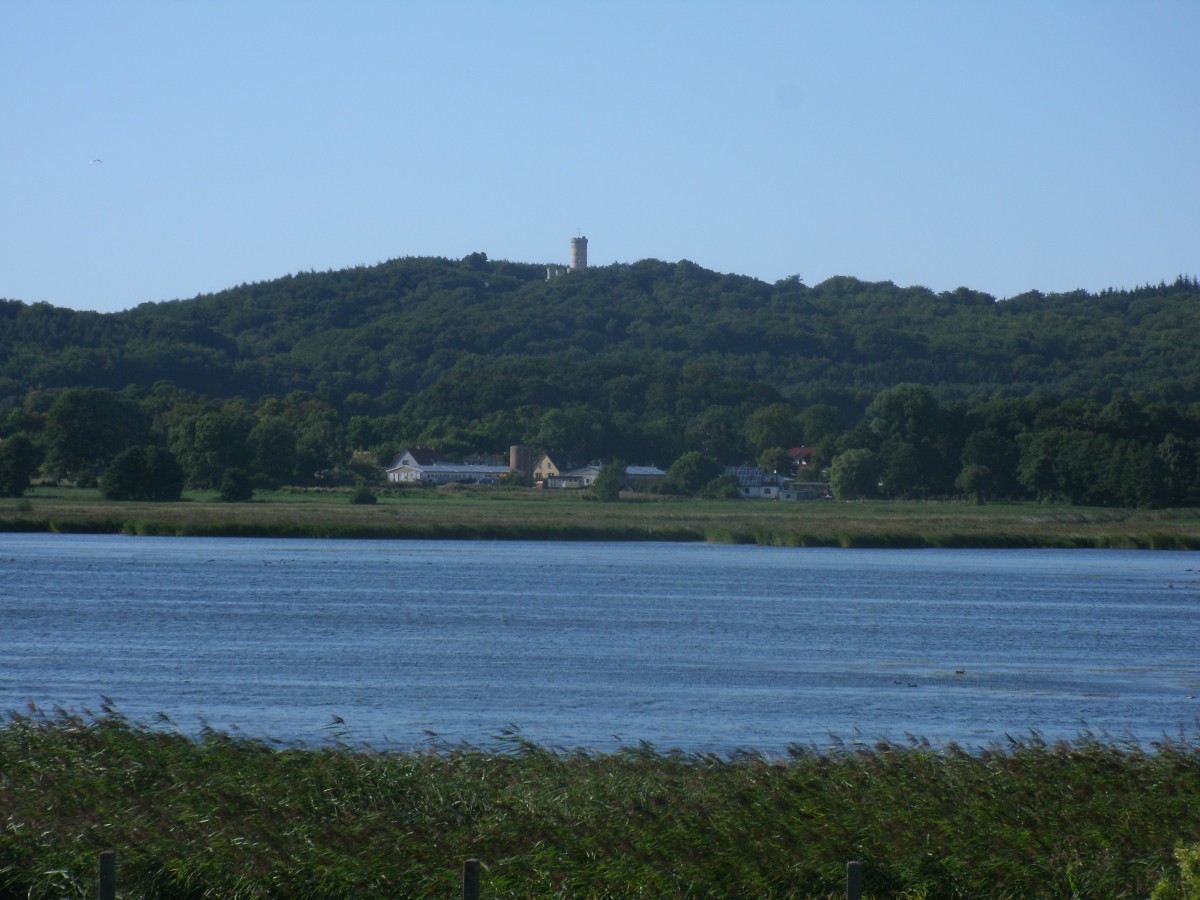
x: 475, y: 335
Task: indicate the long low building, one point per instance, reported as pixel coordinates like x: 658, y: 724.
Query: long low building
x: 634, y: 477
x: 444, y: 473
x: 424, y: 464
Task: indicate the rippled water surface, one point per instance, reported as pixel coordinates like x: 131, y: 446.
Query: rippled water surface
x: 695, y: 646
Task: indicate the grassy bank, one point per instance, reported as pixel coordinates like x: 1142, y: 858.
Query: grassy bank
x: 531, y: 515
x: 235, y: 818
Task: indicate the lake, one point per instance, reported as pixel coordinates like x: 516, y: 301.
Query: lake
x: 706, y: 648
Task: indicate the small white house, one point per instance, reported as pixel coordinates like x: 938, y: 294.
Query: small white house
x: 756, y: 483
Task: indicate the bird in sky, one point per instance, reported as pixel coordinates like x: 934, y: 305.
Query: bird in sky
x: 97, y: 160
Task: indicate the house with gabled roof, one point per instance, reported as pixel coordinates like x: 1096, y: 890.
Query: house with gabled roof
x: 549, y: 466
x: 756, y: 482
x: 418, y: 456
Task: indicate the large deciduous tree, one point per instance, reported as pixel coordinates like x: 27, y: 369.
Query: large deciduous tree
x: 209, y: 444
x: 690, y: 473
x: 772, y: 426
x: 143, y: 473
x: 910, y: 427
x: 18, y: 462
x: 854, y: 475
x: 87, y: 427
x: 273, y: 446
x: 717, y: 433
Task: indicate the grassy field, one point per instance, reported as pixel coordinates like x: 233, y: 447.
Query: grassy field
x: 233, y: 818
x: 496, y: 513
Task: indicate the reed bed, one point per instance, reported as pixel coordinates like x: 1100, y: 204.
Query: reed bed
x: 498, y: 514
x: 221, y: 815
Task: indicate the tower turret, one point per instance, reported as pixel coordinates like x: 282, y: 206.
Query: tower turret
x: 579, y: 253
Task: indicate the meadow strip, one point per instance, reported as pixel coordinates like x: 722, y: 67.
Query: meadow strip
x: 497, y: 514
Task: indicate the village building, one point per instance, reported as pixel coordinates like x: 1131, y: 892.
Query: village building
x: 418, y: 456
x: 553, y: 471
x: 755, y: 482
x: 806, y: 490
x: 635, y: 477
x: 546, y: 467
x: 802, y: 457
x: 428, y: 466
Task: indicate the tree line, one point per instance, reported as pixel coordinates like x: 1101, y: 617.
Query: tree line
x: 902, y: 443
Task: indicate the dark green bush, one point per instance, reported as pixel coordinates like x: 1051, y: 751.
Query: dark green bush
x: 236, y: 486
x: 363, y: 496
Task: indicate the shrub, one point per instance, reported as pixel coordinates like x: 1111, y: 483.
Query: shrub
x: 607, y: 486
x: 1187, y: 885
x: 363, y: 496
x: 236, y: 486
x: 724, y: 487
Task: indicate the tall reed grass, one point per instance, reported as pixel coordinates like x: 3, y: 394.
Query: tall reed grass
x: 225, y: 816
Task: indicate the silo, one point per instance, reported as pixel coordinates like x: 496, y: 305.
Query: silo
x: 579, y: 253
x: 520, y: 459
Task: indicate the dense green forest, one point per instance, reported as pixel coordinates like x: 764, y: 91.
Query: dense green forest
x: 1090, y: 398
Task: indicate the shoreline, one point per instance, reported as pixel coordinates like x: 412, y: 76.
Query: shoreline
x: 484, y: 514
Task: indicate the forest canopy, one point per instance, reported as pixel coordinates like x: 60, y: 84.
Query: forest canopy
x: 951, y: 393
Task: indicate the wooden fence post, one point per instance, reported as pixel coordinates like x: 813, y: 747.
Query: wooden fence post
x: 108, y: 875
x: 471, y: 879
x: 854, y: 880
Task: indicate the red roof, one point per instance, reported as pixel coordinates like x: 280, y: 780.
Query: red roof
x: 803, y: 455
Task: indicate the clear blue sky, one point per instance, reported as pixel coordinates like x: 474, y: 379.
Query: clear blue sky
x: 1003, y: 146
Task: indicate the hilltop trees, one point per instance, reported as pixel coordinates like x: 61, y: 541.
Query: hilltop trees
x: 422, y: 330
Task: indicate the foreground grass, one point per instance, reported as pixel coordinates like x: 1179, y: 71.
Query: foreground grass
x: 235, y: 818
x: 533, y: 515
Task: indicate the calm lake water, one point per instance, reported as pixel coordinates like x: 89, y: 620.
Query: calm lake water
x: 695, y: 646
